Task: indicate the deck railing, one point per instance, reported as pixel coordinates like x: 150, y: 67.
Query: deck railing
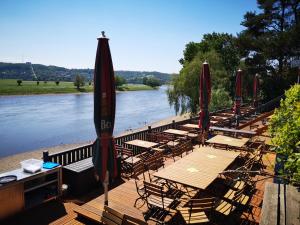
x: 70, y: 156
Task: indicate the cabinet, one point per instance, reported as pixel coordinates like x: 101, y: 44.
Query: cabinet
x: 29, y: 190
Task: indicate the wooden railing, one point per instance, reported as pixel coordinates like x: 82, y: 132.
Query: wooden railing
x: 80, y: 153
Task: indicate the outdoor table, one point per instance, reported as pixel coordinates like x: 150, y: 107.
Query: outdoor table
x: 192, y: 126
x: 173, y: 143
x: 225, y: 140
x: 176, y: 132
x: 132, y: 160
x: 252, y: 133
x: 142, y: 144
x: 198, y: 169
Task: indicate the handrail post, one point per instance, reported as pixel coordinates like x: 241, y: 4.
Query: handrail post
x: 149, y: 129
x: 173, y: 124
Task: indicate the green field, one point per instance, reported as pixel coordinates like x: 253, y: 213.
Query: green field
x: 10, y: 87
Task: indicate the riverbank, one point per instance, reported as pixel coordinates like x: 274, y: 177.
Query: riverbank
x: 10, y: 87
x: 13, y: 162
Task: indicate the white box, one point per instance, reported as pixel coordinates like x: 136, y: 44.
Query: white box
x: 32, y: 165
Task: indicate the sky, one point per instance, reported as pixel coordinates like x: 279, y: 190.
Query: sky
x: 145, y: 35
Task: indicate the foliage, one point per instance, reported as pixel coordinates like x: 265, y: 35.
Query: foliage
x: 134, y: 87
x: 52, y: 73
x: 79, y: 81
x: 19, y: 82
x: 184, y: 92
x: 285, y: 132
x: 151, y: 81
x: 57, y: 82
x: 270, y: 40
x: 37, y: 83
x: 119, y: 81
x: 220, y: 99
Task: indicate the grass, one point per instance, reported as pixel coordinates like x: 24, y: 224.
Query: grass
x: 10, y: 87
x: 134, y: 87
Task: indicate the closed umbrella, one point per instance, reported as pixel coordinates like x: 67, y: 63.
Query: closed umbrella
x: 255, y: 90
x: 238, y: 96
x: 204, y: 94
x: 104, y: 154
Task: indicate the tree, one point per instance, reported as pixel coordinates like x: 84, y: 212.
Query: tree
x: 79, y: 81
x: 19, y: 82
x: 57, y: 82
x: 119, y: 81
x: 184, y: 92
x: 220, y: 99
x: 270, y: 40
x: 151, y: 81
x: 285, y: 131
x: 37, y: 82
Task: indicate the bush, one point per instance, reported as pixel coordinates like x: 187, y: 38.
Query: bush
x: 285, y: 131
x: 79, y: 81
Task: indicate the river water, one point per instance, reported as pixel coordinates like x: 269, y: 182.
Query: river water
x: 36, y: 121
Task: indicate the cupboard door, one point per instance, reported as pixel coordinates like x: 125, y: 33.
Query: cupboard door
x: 11, y: 200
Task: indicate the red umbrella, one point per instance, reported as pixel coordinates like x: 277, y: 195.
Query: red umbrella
x: 255, y: 90
x: 205, y: 95
x: 104, y: 155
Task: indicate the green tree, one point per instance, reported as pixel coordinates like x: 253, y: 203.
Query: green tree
x: 270, y: 40
x: 57, y: 82
x: 184, y: 92
x: 220, y: 99
x: 285, y: 131
x: 119, y: 81
x: 19, y: 82
x: 79, y: 81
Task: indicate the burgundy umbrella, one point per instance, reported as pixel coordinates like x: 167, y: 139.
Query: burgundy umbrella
x: 104, y: 155
x: 238, y: 95
x: 204, y: 94
x: 255, y: 90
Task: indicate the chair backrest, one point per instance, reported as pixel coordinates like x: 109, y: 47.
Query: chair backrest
x: 126, y: 152
x: 203, y: 204
x: 129, y: 220
x: 137, y: 170
x: 151, y: 137
x: 111, y: 216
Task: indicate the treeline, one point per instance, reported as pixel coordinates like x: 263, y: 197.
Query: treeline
x: 23, y: 71
x: 267, y: 46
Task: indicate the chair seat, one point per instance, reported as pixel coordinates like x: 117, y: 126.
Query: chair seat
x: 243, y: 199
x: 238, y: 185
x: 225, y: 207
x: 157, y: 201
x: 196, y: 217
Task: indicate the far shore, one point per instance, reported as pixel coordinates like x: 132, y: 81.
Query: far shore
x: 9, y: 87
x: 13, y: 162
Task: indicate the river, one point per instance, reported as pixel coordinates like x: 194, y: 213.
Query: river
x: 35, y: 121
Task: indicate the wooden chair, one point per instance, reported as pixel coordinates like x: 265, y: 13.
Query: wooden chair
x: 220, y: 146
x: 139, y: 177
x: 156, y: 196
x: 111, y: 216
x: 197, y: 210
x: 129, y: 220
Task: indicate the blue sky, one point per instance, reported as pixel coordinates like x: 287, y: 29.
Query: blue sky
x: 144, y: 35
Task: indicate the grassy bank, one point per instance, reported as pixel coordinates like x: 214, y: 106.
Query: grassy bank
x: 10, y: 87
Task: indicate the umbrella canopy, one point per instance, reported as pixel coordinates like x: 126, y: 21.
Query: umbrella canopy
x: 104, y: 155
x: 255, y: 90
x: 238, y: 92
x: 205, y: 94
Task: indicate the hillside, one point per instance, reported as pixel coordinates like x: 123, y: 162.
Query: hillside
x: 28, y: 71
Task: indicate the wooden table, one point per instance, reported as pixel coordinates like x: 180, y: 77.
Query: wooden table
x: 236, y: 142
x: 191, y: 125
x: 281, y: 205
x: 249, y: 132
x: 176, y: 132
x: 198, y: 169
x: 141, y: 143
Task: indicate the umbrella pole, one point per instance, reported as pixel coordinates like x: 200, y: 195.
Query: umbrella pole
x: 105, y: 184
